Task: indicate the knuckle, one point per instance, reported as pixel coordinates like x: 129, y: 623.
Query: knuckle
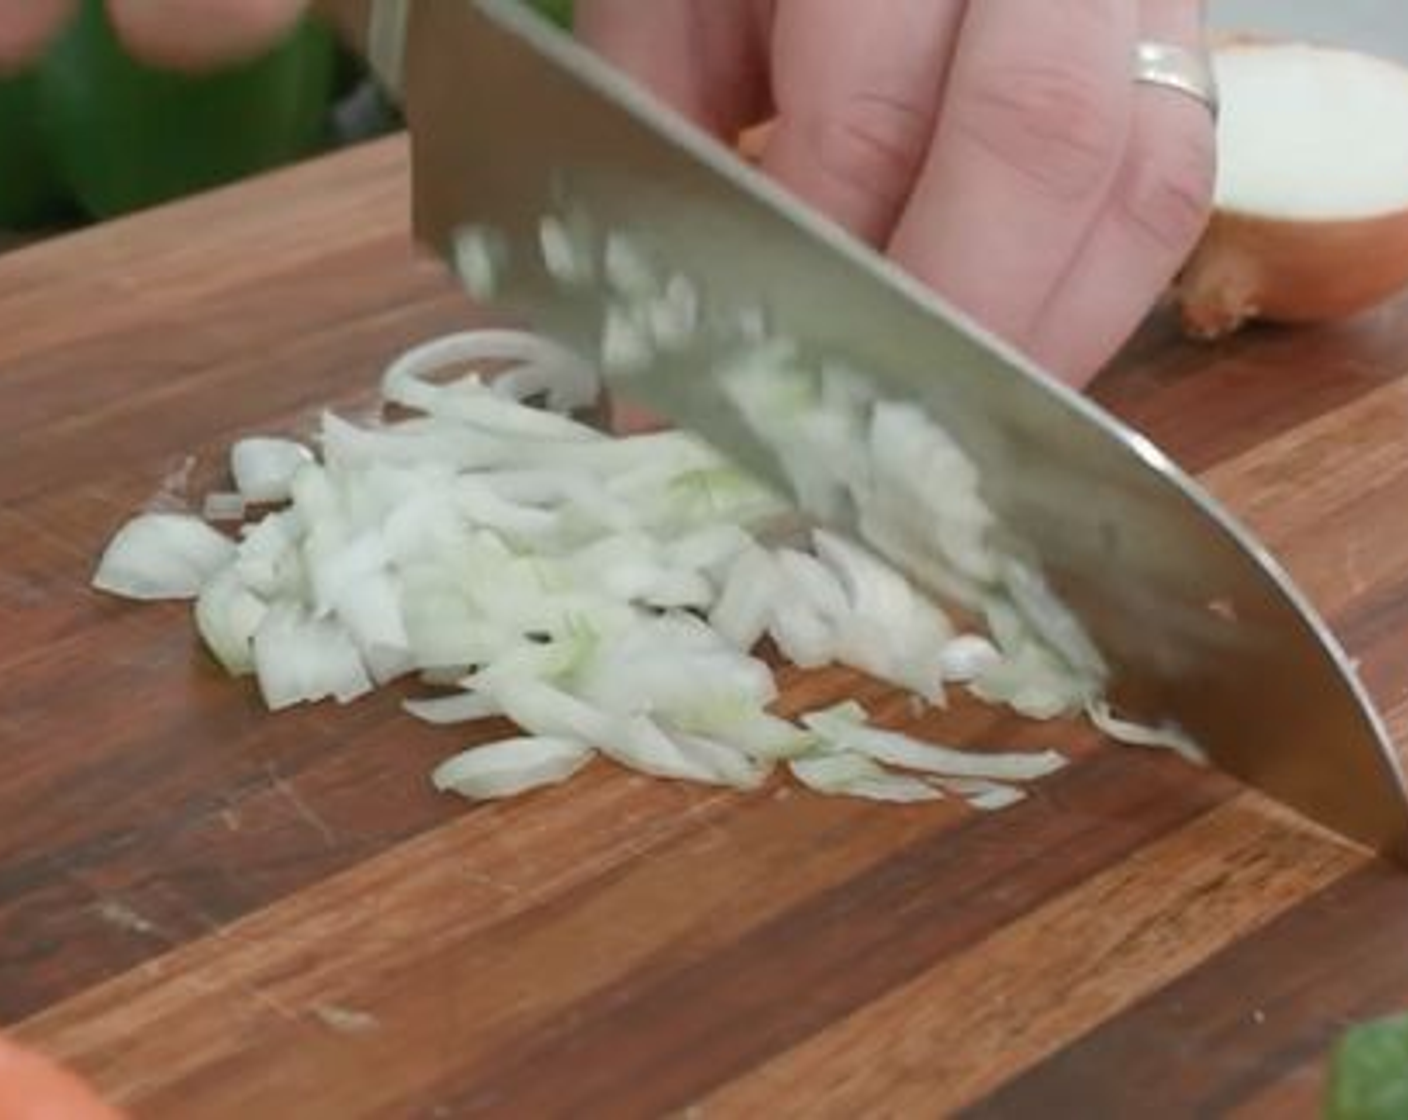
x: 872, y: 144
x: 1055, y: 125
x: 1168, y: 188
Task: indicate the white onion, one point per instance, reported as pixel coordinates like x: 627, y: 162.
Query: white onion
x: 300, y: 659
x: 843, y: 734
x: 263, y: 468
x: 223, y: 506
x: 569, y: 381
x: 162, y: 556
x: 967, y: 657
x: 983, y: 794
x: 228, y: 615
x: 510, y: 767
x: 562, y: 579
x: 640, y: 743
x: 744, y: 606
x: 462, y: 707
x: 1166, y: 736
x: 855, y: 775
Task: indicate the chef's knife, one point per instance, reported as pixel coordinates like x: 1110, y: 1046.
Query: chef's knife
x: 512, y: 122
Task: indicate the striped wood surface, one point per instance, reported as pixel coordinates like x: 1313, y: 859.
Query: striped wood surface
x: 215, y: 913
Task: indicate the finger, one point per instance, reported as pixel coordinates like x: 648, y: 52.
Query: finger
x: 1034, y: 121
x: 201, y: 34
x: 857, y: 88
x: 26, y: 26
x: 704, y: 58
x: 1158, y: 206
x: 32, y: 1088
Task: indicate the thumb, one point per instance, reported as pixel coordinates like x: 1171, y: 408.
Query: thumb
x: 33, y: 1088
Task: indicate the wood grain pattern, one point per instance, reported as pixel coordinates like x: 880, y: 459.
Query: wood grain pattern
x: 215, y: 913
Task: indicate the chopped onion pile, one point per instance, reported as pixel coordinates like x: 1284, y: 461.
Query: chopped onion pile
x: 607, y: 594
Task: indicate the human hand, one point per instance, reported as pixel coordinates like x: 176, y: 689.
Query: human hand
x: 32, y: 1088
x: 998, y: 150
x: 182, y: 34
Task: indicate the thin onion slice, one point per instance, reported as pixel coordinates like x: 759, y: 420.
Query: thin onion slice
x: 980, y: 793
x: 856, y: 775
x: 1133, y: 734
x: 510, y: 767
x: 462, y: 707
x: 844, y: 734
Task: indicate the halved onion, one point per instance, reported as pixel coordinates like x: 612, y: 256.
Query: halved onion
x: 1311, y: 218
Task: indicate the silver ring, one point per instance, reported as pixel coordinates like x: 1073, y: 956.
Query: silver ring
x: 1177, y: 68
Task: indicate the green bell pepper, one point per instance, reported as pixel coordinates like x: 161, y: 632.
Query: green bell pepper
x: 126, y: 135
x: 88, y: 125
x: 1369, y: 1072
x: 90, y: 128
x: 559, y: 11
x: 31, y: 191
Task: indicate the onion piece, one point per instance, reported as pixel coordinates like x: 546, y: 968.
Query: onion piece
x: 967, y: 657
x: 569, y: 382
x: 228, y: 615
x: 640, y: 743
x: 982, y: 794
x: 844, y: 735
x: 801, y: 634
x: 300, y: 659
x: 1166, y: 736
x: 220, y: 505
x: 742, y: 609
x: 732, y: 766
x: 463, y: 707
x: 757, y: 733
x: 162, y: 556
x: 891, y: 631
x: 510, y: 767
x: 855, y: 775
x: 263, y: 468
x: 268, y: 559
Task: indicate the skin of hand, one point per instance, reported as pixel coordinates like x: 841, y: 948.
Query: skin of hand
x: 34, y: 1088
x: 180, y: 34
x: 999, y: 150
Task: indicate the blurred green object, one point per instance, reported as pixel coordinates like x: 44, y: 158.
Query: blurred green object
x: 31, y: 192
x: 1369, y: 1072
x: 559, y: 11
x: 126, y: 135
x: 89, y: 130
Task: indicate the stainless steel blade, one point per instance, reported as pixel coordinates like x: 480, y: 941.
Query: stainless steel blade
x: 512, y: 121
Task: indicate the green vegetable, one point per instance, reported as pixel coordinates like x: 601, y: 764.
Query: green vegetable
x: 89, y: 128
x: 126, y: 135
x: 559, y: 11
x: 1369, y: 1073
x: 31, y: 192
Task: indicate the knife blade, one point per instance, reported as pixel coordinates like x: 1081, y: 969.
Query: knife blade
x: 515, y: 125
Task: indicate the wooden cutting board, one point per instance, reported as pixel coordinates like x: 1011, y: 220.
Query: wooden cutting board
x: 211, y: 912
